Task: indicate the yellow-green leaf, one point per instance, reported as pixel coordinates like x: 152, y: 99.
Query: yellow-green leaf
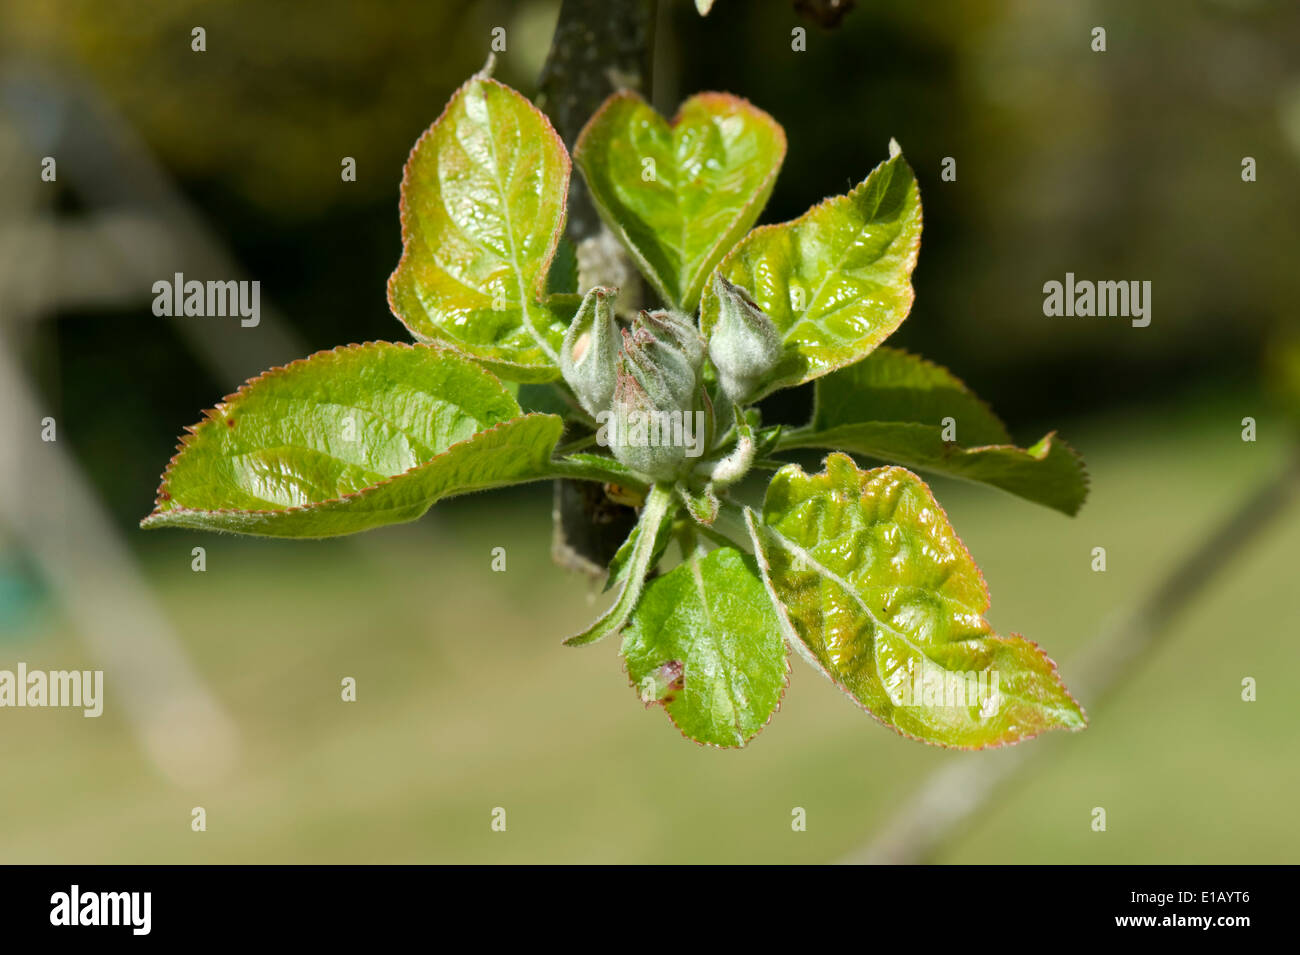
x: 483, y: 202
x: 898, y: 407
x: 680, y: 195
x: 836, y: 282
x: 705, y: 643
x: 884, y: 598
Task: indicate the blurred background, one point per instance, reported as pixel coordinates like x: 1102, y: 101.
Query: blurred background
x: 223, y: 686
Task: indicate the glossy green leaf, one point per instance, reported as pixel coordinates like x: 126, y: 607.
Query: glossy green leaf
x: 483, y: 201
x: 351, y: 439
x: 680, y: 195
x: 705, y: 642
x: 657, y: 504
x: 892, y: 406
x: 883, y: 597
x: 836, y: 282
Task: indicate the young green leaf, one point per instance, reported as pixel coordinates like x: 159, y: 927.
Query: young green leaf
x: 836, y: 282
x: 701, y: 504
x: 705, y: 642
x: 657, y: 505
x: 483, y: 201
x: 621, y: 565
x: 680, y: 195
x: 895, y: 406
x: 351, y: 439
x: 882, y: 596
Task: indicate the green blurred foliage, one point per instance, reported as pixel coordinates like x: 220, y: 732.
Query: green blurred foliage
x: 284, y: 89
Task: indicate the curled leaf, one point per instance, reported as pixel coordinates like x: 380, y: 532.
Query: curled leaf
x: 899, y: 407
x: 880, y: 594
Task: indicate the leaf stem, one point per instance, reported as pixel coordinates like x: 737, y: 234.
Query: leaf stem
x: 588, y: 470
x: 579, y: 444
x: 652, y: 515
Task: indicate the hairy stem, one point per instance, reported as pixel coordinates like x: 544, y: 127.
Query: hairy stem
x: 588, y: 470
x: 656, y: 507
x: 598, y: 46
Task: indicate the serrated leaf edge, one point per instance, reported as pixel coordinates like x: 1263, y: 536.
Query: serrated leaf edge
x: 706, y: 96
x: 539, y: 283
x: 795, y: 642
x: 913, y: 254
x: 158, y: 517
x: 1048, y: 441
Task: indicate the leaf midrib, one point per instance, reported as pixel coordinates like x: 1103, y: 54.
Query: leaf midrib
x: 524, y: 298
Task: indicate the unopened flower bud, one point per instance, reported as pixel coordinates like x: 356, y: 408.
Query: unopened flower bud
x: 665, y: 352
x: 657, y: 394
x: 589, y: 352
x: 745, y: 345
x: 673, y: 328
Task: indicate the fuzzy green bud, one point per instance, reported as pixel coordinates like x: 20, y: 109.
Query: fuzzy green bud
x: 675, y: 329
x: 589, y: 353
x: 745, y: 345
x: 657, y: 420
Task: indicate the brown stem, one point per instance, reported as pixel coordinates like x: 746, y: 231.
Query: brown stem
x: 599, y: 46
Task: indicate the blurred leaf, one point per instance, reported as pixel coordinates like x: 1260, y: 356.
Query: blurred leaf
x: 351, y: 439
x: 837, y: 280
x: 887, y: 602
x: 712, y: 171
x: 705, y: 642
x: 892, y: 406
x: 483, y: 199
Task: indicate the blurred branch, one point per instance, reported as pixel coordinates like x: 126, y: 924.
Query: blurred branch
x: 956, y: 792
x: 826, y: 13
x: 51, y: 509
x: 140, y: 227
x: 599, y: 46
